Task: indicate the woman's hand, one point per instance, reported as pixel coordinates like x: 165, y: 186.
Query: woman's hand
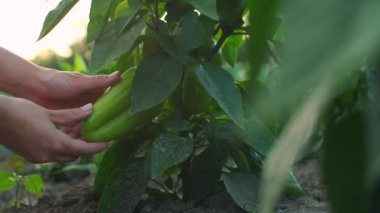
x: 60, y: 90
x: 50, y: 88
x: 30, y: 130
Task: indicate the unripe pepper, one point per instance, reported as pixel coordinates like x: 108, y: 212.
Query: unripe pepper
x: 111, y: 117
x: 195, y: 99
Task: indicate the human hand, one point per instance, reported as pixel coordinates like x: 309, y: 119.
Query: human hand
x: 61, y: 90
x: 29, y: 130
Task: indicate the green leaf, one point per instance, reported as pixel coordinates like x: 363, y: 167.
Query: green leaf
x: 201, y: 174
x: 169, y: 44
x: 99, y: 13
x: 231, y: 48
x: 292, y: 188
x: 257, y: 136
x: 79, y: 63
x: 330, y: 47
x: 156, y: 78
x: 243, y: 188
x: 220, y: 85
x: 193, y: 31
x: 207, y: 8
x: 230, y: 11
x: 262, y: 17
x: 134, y: 4
x: 339, y: 40
x: 169, y: 150
x: 174, y: 120
x: 373, y: 147
x: 111, y: 44
x: 55, y: 16
x: 119, y: 151
x: 125, y: 187
x: 7, y: 180
x: 238, y: 156
x: 344, y: 165
x: 34, y: 184
x: 122, y: 10
x: 130, y: 19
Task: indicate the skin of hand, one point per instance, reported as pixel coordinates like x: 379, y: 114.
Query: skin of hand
x: 29, y: 127
x: 50, y: 88
x: 60, y: 90
x: 30, y: 130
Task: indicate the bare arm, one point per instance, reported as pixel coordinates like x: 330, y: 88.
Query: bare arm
x: 48, y: 87
x: 18, y: 76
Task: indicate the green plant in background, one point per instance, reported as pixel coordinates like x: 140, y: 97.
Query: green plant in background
x: 22, y: 185
x: 243, y: 89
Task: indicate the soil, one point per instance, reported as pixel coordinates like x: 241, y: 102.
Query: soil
x: 66, y: 197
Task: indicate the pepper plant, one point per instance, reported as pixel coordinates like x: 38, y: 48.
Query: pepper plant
x: 229, y: 85
x: 184, y: 55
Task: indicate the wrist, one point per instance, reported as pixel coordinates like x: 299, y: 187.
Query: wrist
x: 18, y: 77
x: 23, y: 86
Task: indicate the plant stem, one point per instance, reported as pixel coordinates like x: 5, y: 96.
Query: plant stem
x: 156, y: 16
x: 239, y: 33
x: 218, y: 45
x: 217, y: 30
x: 17, y: 196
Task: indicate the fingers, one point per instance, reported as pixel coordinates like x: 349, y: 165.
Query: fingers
x: 73, y: 131
x: 100, y: 82
x: 69, y: 117
x: 77, y: 147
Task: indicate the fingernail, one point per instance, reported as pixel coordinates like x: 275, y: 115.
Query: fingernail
x: 114, y: 74
x: 87, y: 108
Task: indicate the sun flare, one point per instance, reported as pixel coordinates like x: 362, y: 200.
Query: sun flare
x: 21, y: 22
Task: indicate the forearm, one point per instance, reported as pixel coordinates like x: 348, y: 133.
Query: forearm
x: 17, y: 76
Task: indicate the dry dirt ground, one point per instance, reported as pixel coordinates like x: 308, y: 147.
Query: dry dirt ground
x: 76, y: 198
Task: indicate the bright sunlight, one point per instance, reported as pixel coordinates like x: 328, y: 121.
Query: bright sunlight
x: 21, y: 22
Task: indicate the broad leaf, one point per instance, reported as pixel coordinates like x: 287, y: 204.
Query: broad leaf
x: 156, y: 78
x: 55, y: 16
x: 220, y: 85
x: 7, y: 180
x: 193, y: 31
x: 174, y: 120
x: 119, y: 151
x: 331, y: 38
x: 373, y: 147
x: 206, y: 7
x: 99, y: 13
x: 292, y: 188
x: 243, y: 188
x: 34, y: 184
x: 169, y: 44
x: 262, y: 17
x: 135, y: 7
x: 231, y: 48
x: 344, y: 165
x: 125, y: 187
x: 111, y: 44
x: 258, y: 137
x: 169, y: 150
x: 230, y: 11
x: 201, y: 174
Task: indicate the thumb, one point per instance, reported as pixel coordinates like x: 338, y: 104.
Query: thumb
x: 66, y: 117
